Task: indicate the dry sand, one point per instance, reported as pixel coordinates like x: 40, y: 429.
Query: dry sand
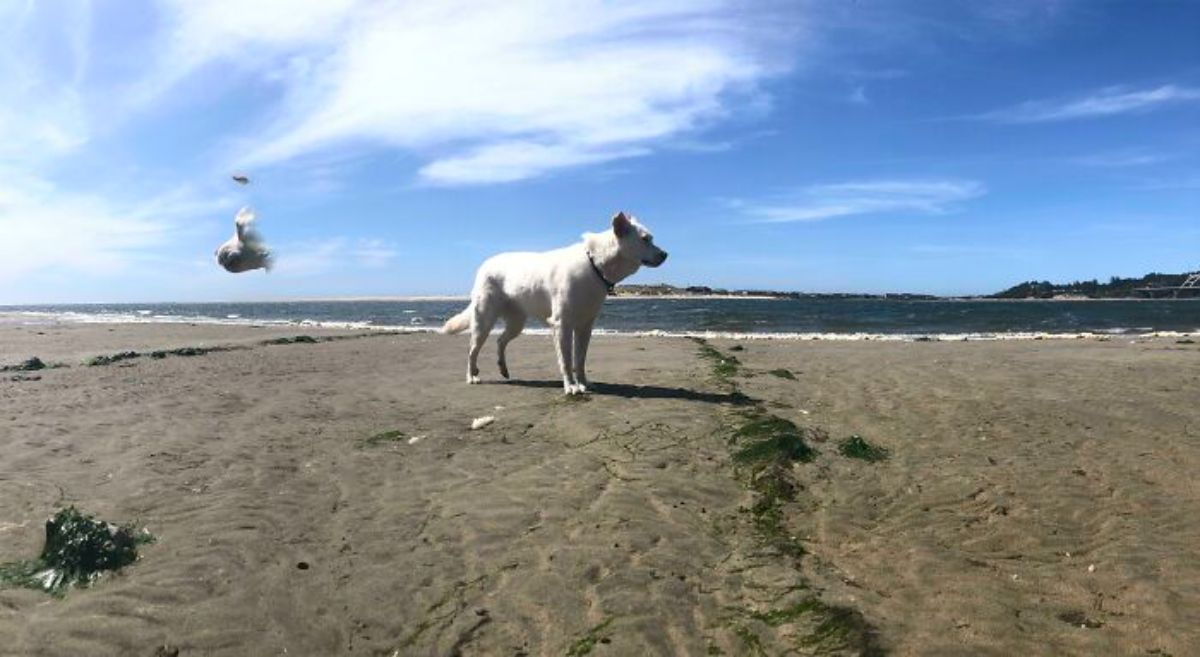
x: 613, y: 525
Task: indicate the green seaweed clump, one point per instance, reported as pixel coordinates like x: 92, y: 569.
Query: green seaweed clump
x: 783, y: 374
x: 191, y: 351
x: 96, y: 361
x: 78, y: 549
x: 1079, y: 619
x: 773, y: 440
x: 774, y: 444
x: 775, y: 487
x: 299, y: 339
x: 835, y: 628
x: 381, y: 438
x: 588, y: 641
x: 31, y: 365
x: 723, y: 367
x: 188, y: 351
x: 857, y: 447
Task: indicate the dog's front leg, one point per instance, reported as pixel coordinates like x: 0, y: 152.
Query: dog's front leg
x: 583, y: 337
x: 562, y: 336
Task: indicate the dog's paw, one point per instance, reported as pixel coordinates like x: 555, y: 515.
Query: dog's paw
x: 503, y: 369
x: 472, y: 378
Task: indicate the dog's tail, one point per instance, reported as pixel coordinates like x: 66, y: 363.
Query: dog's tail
x: 459, y: 322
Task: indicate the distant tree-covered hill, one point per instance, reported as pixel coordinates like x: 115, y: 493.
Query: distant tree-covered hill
x: 1115, y: 288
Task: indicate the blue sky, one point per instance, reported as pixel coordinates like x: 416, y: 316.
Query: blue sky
x: 867, y: 146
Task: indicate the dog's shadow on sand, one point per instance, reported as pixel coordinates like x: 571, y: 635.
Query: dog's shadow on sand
x: 629, y: 391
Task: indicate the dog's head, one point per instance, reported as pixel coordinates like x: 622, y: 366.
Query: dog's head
x: 635, y: 242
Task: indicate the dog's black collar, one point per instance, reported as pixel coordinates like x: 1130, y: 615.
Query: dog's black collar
x: 608, y: 285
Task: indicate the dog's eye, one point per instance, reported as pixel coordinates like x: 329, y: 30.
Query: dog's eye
x: 647, y: 238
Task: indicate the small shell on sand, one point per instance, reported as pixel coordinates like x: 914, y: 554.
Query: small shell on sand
x: 414, y: 440
x: 1092, y: 568
x: 481, y: 422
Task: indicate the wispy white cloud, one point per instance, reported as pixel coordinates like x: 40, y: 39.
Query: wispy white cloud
x: 1121, y: 159
x: 43, y: 56
x: 820, y: 202
x: 968, y: 251
x: 47, y: 228
x: 313, y: 257
x: 1186, y: 182
x: 1111, y: 101
x: 486, y: 92
x: 499, y: 162
x: 858, y: 96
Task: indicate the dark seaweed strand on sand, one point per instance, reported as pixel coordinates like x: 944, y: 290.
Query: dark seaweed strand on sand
x: 857, y: 447
x: 299, y: 339
x: 395, y: 435
x: 79, y: 549
x: 768, y: 446
x: 30, y: 365
x: 724, y: 366
x: 98, y: 361
x: 585, y: 644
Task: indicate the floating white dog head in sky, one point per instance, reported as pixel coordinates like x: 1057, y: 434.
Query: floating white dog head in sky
x: 245, y: 251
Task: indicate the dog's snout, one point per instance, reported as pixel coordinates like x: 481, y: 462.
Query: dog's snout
x: 663, y: 258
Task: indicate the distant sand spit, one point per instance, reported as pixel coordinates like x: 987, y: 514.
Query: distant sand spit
x: 295, y: 514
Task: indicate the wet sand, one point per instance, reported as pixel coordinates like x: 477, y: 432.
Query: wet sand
x: 614, y: 525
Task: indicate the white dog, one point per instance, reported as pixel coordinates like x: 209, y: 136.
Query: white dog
x: 244, y: 251
x: 564, y: 288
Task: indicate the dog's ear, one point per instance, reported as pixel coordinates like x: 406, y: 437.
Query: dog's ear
x: 621, y: 225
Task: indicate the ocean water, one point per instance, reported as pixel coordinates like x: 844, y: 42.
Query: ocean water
x: 794, y: 318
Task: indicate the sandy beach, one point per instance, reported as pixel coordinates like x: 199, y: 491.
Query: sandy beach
x: 331, y: 498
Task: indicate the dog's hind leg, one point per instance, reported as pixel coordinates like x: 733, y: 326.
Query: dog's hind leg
x: 482, y: 320
x: 514, y: 323
x: 583, y: 336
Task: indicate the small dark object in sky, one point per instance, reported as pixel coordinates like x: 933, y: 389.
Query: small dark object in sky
x: 241, y: 179
x: 79, y: 548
